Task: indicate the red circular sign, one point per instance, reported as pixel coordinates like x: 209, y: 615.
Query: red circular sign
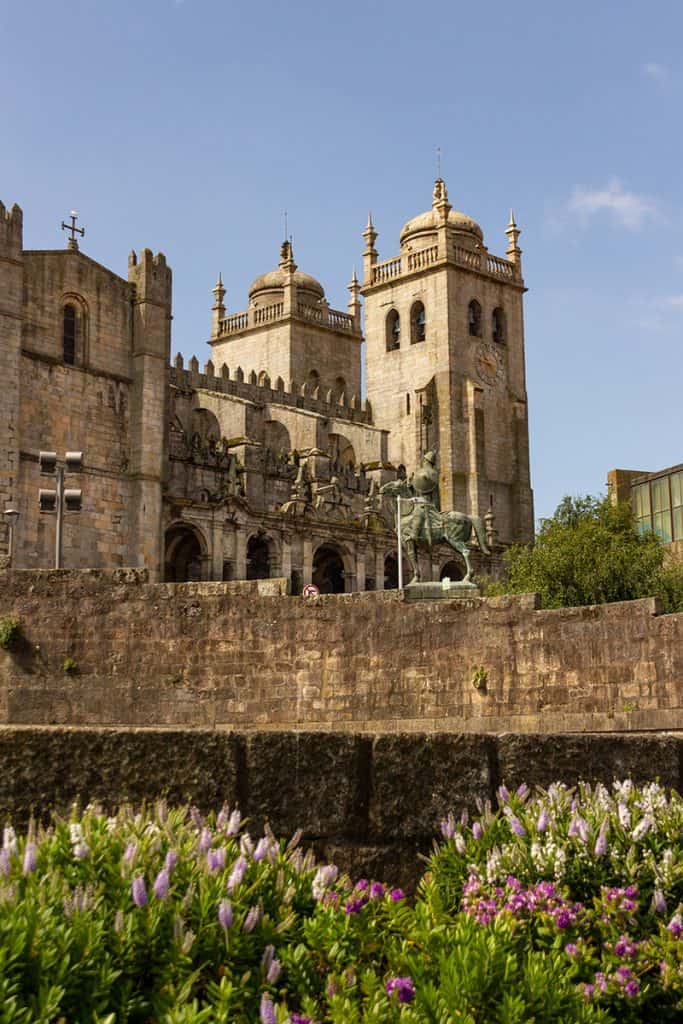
x: 310, y: 590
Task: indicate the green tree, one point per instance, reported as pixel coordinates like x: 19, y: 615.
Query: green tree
x: 591, y: 552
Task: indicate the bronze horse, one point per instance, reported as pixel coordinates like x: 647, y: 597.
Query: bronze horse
x: 422, y: 523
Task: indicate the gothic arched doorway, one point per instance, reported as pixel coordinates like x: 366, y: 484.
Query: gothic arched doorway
x: 328, y: 570
x: 183, y: 555
x: 258, y: 558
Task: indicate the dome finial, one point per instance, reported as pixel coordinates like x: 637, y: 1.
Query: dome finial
x: 369, y: 253
x: 218, y: 308
x: 440, y: 193
x: 287, y: 256
x: 513, y: 251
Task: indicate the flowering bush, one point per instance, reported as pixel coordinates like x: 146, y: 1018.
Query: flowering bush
x: 564, y: 906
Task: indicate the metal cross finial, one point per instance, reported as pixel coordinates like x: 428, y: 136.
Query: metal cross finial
x: 72, y: 243
x: 438, y: 161
x: 286, y: 235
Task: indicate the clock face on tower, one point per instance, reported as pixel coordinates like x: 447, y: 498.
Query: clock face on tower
x: 489, y: 364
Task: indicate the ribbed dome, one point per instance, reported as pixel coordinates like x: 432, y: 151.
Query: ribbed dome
x: 429, y: 221
x: 276, y: 279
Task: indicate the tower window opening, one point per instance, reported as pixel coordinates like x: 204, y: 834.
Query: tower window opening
x: 393, y: 330
x: 418, y: 323
x: 474, y: 318
x: 69, y: 335
x: 408, y: 404
x: 498, y: 326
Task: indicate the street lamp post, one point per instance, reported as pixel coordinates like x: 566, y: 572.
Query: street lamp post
x: 11, y: 515
x: 60, y: 498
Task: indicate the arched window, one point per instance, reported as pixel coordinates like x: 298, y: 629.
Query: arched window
x: 474, y: 318
x: 417, y: 323
x: 69, y: 334
x: 312, y: 382
x: 498, y: 325
x: 393, y: 330
x: 407, y: 403
x: 258, y: 558
x: 339, y: 389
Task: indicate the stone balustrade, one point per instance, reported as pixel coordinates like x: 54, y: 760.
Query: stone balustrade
x: 256, y: 316
x: 481, y: 261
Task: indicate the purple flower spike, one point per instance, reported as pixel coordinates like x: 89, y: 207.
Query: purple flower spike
x: 601, y: 842
x: 397, y: 894
x: 261, y: 849
x: 675, y: 926
x: 477, y: 830
x: 237, y: 874
x: 503, y: 794
x: 403, y: 987
x: 267, y: 1010
x: 376, y: 891
x: 522, y: 791
x: 30, y: 858
x: 252, y: 919
x: 273, y: 972
x: 4, y: 862
x: 161, y: 884
x: 171, y: 861
x: 659, y: 902
x: 215, y: 859
x: 233, y: 824
x: 516, y: 826
x: 542, y: 823
x: 298, y: 1018
x: 139, y: 892
x: 129, y: 855
x: 205, y: 840
x: 225, y: 914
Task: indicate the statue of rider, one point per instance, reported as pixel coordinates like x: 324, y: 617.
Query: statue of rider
x: 425, y: 485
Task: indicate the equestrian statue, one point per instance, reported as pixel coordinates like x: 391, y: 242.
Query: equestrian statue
x: 423, y: 524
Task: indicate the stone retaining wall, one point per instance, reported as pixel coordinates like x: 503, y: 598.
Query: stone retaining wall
x: 371, y: 803
x: 109, y: 649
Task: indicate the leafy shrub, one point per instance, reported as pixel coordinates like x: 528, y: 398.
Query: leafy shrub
x: 560, y: 907
x: 10, y: 630
x: 591, y: 552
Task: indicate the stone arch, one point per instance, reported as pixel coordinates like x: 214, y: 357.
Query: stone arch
x: 339, y: 389
x: 329, y: 568
x: 261, y: 556
x: 418, y: 323
x: 393, y: 330
x: 74, y: 329
x: 498, y: 325
x: 391, y: 571
x: 474, y: 318
x: 276, y: 437
x: 312, y: 381
x: 185, y: 553
x: 342, y: 452
x: 454, y: 570
x: 205, y: 423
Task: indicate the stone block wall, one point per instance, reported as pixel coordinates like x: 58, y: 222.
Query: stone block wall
x: 370, y: 803
x: 243, y: 655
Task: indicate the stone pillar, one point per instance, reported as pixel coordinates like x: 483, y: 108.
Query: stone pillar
x: 241, y: 554
x: 286, y: 558
x: 216, y: 566
x: 360, y: 567
x: 379, y: 569
x: 308, y: 560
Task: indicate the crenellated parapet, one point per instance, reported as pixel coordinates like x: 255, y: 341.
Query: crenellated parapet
x: 261, y: 389
x: 11, y: 232
x: 151, y: 276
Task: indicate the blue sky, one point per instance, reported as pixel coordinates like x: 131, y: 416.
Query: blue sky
x: 191, y: 126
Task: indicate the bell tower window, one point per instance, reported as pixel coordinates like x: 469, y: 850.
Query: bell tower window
x: 498, y: 326
x: 418, y: 323
x: 393, y: 330
x: 69, y: 334
x: 474, y: 319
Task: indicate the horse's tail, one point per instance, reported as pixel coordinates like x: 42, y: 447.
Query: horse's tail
x: 481, y: 534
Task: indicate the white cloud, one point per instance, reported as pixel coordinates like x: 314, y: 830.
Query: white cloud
x: 676, y: 301
x: 628, y: 209
x: 656, y: 72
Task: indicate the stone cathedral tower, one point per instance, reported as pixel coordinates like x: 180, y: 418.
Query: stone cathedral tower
x: 445, y: 361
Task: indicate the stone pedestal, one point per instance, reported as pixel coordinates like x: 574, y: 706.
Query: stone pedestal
x: 443, y: 591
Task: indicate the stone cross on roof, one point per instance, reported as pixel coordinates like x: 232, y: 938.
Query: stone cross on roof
x: 72, y: 243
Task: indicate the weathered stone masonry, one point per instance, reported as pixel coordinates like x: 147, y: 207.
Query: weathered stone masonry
x: 242, y: 655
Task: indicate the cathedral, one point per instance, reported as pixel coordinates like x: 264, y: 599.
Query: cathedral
x: 265, y: 461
